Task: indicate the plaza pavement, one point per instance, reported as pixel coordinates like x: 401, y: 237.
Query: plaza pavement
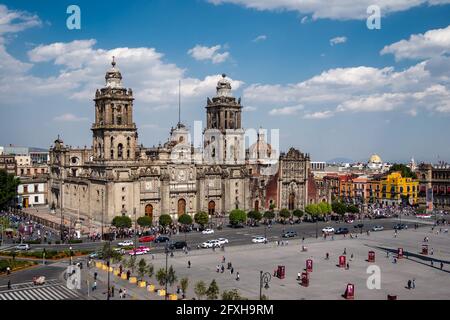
x: 327, y: 281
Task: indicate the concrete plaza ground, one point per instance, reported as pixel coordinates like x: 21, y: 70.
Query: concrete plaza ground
x: 327, y: 281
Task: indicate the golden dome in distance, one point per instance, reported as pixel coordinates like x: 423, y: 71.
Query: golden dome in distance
x: 375, y: 159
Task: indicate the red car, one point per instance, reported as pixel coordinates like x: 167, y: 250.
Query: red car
x: 147, y: 238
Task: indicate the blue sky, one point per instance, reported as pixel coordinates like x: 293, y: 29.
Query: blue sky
x: 369, y: 91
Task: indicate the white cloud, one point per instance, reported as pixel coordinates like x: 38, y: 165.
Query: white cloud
x: 338, y: 40
x: 319, y: 115
x: 12, y: 21
x: 249, y: 109
x: 285, y: 111
x: 208, y: 53
x: 69, y: 117
x: 432, y: 43
x: 340, y: 10
x: 259, y: 38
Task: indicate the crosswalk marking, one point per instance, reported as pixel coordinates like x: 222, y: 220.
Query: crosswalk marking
x: 47, y: 292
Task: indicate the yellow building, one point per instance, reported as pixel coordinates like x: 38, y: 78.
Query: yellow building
x: 394, y: 188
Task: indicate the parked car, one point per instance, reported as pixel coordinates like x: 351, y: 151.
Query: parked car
x: 208, y: 231
x: 259, y: 239
x: 210, y: 244
x: 377, y: 228
x: 162, y: 239
x: 147, y: 238
x: 144, y: 248
x: 400, y: 226
x: 136, y: 252
x: 341, y: 231
x: 126, y: 243
x: 96, y: 255
x: 359, y: 225
x: 328, y: 230
x: 289, y: 234
x: 119, y: 250
x: 222, y: 241
x: 178, y: 245
x: 23, y: 246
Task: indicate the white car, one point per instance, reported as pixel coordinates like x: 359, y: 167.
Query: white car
x: 328, y: 230
x: 259, y: 240
x: 377, y: 228
x: 23, y: 246
x: 210, y: 244
x: 208, y: 231
x: 222, y: 240
x: 126, y: 243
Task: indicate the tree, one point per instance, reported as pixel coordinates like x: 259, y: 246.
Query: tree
x: 171, y: 277
x: 339, y: 208
x: 298, y: 213
x: 213, y: 290
x: 161, y: 277
x: 352, y: 208
x: 269, y: 215
x: 165, y: 220
x: 404, y: 170
x: 232, y: 295
x: 184, y: 283
x: 185, y: 219
x: 237, y: 216
x: 142, y: 268
x: 121, y: 222
x: 201, y: 218
x: 285, y: 214
x: 108, y: 253
x: 255, y: 215
x: 144, y: 221
x: 324, y: 208
x: 150, y: 270
x: 312, y: 210
x: 200, y: 289
x: 8, y: 188
x: 130, y: 263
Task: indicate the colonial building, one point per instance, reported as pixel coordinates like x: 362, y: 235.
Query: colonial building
x: 434, y: 179
x: 118, y: 176
x: 32, y: 192
x: 8, y: 163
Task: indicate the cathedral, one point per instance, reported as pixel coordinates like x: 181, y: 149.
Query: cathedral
x: 117, y: 176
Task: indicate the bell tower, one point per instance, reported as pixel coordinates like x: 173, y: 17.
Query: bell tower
x: 114, y: 132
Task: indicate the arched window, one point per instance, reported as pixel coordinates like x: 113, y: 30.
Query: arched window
x: 120, y: 151
x: 128, y: 141
x: 128, y: 154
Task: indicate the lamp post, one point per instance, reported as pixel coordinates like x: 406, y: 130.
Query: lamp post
x: 265, y: 234
x: 264, y: 279
x: 102, y: 213
x: 61, y: 207
x: 109, y: 264
x: 317, y: 228
x: 70, y: 262
x: 166, y: 276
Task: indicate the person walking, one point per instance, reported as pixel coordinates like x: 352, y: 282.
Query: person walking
x: 120, y: 293
x: 94, y: 285
x: 223, y: 259
x: 112, y: 291
x: 9, y: 284
x: 442, y: 265
x: 345, y: 251
x: 189, y: 264
x: 409, y: 284
x: 95, y: 275
x: 237, y: 276
x: 231, y: 270
x: 414, y: 283
x: 124, y: 293
x: 217, y: 268
x: 222, y: 269
x: 431, y: 251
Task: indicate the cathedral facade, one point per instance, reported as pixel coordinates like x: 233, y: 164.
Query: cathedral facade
x: 116, y: 176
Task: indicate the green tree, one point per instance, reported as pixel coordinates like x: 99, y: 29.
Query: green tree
x: 165, y: 220
x: 404, y: 170
x: 108, y: 253
x: 312, y: 209
x: 185, y: 219
x: 8, y: 188
x: 161, y: 276
x: 131, y: 263
x: 144, y: 221
x: 269, y: 215
x: 121, y: 222
x: 200, y: 289
x: 171, y: 276
x: 150, y: 270
x: 298, y: 213
x: 213, y: 290
x: 201, y: 218
x: 184, y: 283
x: 285, y: 213
x: 237, y: 216
x: 232, y: 295
x: 324, y: 208
x: 339, y: 208
x: 352, y: 208
x: 255, y: 215
x: 142, y: 268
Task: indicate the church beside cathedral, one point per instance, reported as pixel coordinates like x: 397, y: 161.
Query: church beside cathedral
x: 118, y: 176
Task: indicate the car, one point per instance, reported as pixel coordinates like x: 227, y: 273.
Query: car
x: 377, y: 228
x: 359, y: 225
x: 126, y: 243
x: 144, y: 248
x: 147, y: 238
x: 210, y: 244
x: 23, y: 246
x: 208, y: 231
x: 259, y: 239
x: 222, y: 241
x: 400, y: 226
x: 349, y: 221
x: 96, y: 255
x: 162, y: 239
x: 341, y: 231
x: 328, y: 230
x: 136, y: 252
x: 119, y: 250
x: 289, y: 234
x: 178, y: 245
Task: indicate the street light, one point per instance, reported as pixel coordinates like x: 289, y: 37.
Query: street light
x: 264, y: 279
x: 70, y: 263
x: 109, y: 264
x: 167, y: 254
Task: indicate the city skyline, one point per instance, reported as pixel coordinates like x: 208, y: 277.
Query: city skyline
x: 339, y: 90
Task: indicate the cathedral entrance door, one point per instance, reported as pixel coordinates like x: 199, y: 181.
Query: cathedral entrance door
x: 149, y: 210
x: 256, y: 205
x: 211, y: 208
x: 181, y: 207
x: 291, y: 201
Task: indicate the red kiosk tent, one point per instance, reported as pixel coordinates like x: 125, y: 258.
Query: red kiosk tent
x: 305, y: 279
x: 371, y: 256
x: 400, y: 253
x: 349, y: 292
x: 342, y: 260
x: 281, y: 272
x: 309, y: 265
x: 425, y: 249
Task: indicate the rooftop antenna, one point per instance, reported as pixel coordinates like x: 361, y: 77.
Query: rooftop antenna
x: 179, y: 102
